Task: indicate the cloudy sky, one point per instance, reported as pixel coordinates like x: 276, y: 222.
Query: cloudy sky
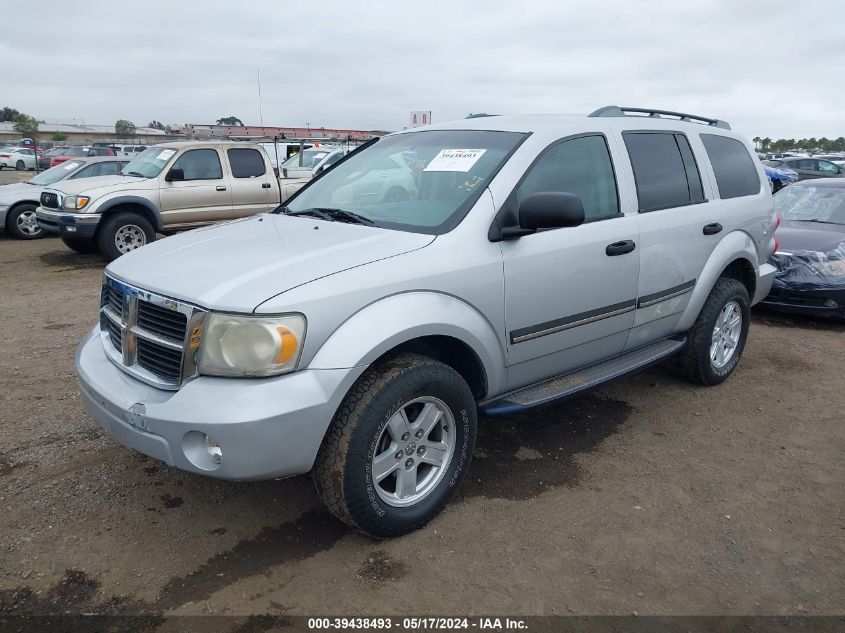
x: 770, y: 68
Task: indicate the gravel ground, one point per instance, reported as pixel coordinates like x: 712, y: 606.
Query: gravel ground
x: 649, y: 495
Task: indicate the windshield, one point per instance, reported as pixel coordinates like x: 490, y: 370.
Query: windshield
x: 803, y: 203
x: 306, y: 159
x: 418, y: 181
x: 55, y: 174
x: 149, y: 163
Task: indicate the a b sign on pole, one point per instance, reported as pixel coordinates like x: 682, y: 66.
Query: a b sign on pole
x: 420, y: 118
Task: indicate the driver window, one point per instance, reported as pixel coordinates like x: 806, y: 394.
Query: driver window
x: 580, y: 166
x: 200, y: 164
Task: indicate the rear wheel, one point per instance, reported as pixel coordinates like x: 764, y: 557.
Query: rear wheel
x: 122, y: 233
x: 22, y: 224
x: 398, y: 447
x: 80, y: 245
x: 717, y: 339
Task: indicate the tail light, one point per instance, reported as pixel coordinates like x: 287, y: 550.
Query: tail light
x: 777, y: 245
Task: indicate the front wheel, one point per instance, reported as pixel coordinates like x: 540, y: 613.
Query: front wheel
x: 122, y: 233
x: 398, y: 447
x: 717, y: 339
x: 20, y: 166
x: 22, y: 223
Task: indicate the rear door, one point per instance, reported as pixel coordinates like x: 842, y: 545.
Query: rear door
x: 805, y: 167
x: 252, y: 182
x: 203, y: 196
x: 672, y: 212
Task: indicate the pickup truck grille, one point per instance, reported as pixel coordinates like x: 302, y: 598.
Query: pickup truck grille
x: 49, y: 200
x: 147, y: 335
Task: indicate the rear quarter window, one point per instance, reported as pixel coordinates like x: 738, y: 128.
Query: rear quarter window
x: 733, y: 166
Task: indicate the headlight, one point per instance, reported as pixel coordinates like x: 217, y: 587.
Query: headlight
x: 251, y: 345
x: 75, y: 202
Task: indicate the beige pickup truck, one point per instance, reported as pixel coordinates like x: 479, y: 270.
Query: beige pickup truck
x: 168, y: 187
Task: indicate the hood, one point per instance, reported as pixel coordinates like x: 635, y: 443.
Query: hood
x: 19, y: 191
x: 98, y: 185
x: 241, y: 264
x: 809, y: 236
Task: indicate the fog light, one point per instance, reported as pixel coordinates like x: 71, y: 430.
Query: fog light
x: 830, y: 303
x: 213, y: 449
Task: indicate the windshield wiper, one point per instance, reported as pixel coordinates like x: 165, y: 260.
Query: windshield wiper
x: 328, y: 213
x: 814, y: 220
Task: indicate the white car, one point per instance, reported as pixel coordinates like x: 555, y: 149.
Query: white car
x: 18, y: 157
x: 19, y: 201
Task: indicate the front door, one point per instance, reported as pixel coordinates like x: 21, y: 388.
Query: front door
x: 203, y: 196
x: 252, y: 184
x: 570, y: 293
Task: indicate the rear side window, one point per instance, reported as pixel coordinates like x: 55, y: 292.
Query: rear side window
x: 664, y: 170
x: 579, y: 166
x: 246, y: 163
x: 734, y: 168
x: 200, y: 164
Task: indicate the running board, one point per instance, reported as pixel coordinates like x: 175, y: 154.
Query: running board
x: 575, y: 382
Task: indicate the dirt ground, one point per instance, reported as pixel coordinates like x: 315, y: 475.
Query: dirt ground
x: 650, y: 495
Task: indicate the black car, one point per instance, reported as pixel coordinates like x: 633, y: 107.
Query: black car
x: 809, y: 167
x: 810, y: 258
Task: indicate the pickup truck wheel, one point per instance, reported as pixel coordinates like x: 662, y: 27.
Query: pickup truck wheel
x: 22, y: 224
x: 80, y: 245
x: 398, y: 447
x: 123, y: 233
x: 716, y: 340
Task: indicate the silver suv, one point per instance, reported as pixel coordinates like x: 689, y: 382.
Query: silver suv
x: 358, y: 338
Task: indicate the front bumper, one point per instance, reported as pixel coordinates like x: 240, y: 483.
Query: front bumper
x: 78, y: 225
x: 820, y: 302
x: 266, y: 428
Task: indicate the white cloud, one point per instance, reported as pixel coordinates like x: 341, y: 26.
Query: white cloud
x: 770, y: 68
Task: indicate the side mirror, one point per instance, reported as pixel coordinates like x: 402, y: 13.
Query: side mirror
x: 550, y: 210
x: 175, y: 174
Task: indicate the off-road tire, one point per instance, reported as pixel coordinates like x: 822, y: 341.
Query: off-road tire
x: 12, y: 223
x: 81, y: 245
x: 341, y: 472
x: 693, y: 362
x: 112, y: 223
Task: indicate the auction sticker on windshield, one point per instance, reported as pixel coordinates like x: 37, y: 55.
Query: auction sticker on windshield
x: 455, y: 160
x: 70, y: 166
x: 165, y: 154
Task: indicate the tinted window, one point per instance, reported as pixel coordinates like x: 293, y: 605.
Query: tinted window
x: 735, y: 171
x: 200, y: 164
x: 803, y: 163
x: 580, y: 166
x: 246, y: 163
x: 664, y: 170
x: 109, y: 168
x: 86, y: 172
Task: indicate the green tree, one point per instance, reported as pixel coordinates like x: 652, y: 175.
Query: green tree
x: 8, y: 114
x: 765, y: 143
x: 230, y: 120
x: 59, y: 136
x: 124, y: 128
x: 156, y: 125
x: 25, y: 124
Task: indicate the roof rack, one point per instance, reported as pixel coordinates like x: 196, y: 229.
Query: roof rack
x: 613, y: 110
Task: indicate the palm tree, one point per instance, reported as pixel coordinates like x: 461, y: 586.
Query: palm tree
x: 756, y: 140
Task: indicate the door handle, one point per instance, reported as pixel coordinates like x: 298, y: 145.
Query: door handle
x: 620, y: 248
x: 221, y: 188
x: 712, y: 229
x: 265, y: 185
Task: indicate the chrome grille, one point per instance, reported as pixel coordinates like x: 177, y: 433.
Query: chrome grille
x: 159, y: 360
x: 162, y: 321
x: 149, y: 336
x: 49, y: 200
